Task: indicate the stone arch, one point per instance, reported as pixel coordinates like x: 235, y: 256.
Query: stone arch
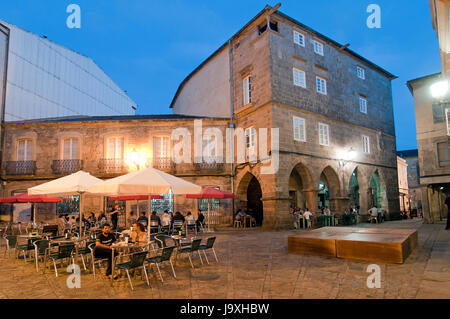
x: 353, y: 188
x: 249, y: 196
x: 329, y: 189
x: 301, y: 187
x: 377, y: 190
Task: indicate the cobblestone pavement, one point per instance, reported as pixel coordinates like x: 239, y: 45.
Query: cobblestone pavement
x: 256, y: 264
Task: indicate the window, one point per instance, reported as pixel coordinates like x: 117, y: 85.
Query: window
x: 299, y: 77
x: 70, y: 149
x: 361, y: 72
x: 114, y: 148
x: 299, y: 129
x: 363, y: 104
x: 161, y: 147
x: 209, y: 148
x: 321, y: 85
x: 24, y: 150
x: 318, y: 47
x: 365, y: 144
x: 324, y: 137
x: 250, y: 140
x: 299, y: 38
x: 444, y: 154
x: 247, y: 90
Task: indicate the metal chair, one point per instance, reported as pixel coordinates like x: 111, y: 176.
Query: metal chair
x: 64, y: 251
x: 137, y: 261
x: 154, y: 226
x: 11, y: 243
x: 41, y: 248
x: 191, y: 224
x: 177, y: 225
x: 194, y: 247
x: 83, y: 251
x: 29, y: 246
x: 95, y: 260
x: 165, y: 256
x: 209, y: 246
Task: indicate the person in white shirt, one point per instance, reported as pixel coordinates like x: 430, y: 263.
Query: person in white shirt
x: 165, y: 219
x: 373, y: 211
x: 327, y: 211
x: 307, y: 214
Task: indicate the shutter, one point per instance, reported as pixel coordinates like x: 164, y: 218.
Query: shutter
x: 28, y: 150
x: 110, y: 148
x: 74, y: 148
x: 119, y: 148
x: 66, y: 149
x: 21, y: 151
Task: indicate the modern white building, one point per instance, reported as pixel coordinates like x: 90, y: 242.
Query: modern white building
x: 41, y: 79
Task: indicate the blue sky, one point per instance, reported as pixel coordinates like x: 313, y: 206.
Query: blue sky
x: 148, y: 47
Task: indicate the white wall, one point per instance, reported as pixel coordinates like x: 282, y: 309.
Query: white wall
x: 207, y: 92
x: 48, y: 80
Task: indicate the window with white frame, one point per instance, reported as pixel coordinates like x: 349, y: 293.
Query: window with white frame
x: 70, y: 149
x: 114, y: 148
x: 24, y: 150
x: 361, y: 72
x: 324, y: 134
x: 299, y: 38
x: 299, y: 129
x: 161, y: 147
x: 365, y: 144
x: 321, y: 85
x: 247, y: 89
x: 318, y: 47
x: 250, y: 142
x: 363, y: 104
x: 299, y: 77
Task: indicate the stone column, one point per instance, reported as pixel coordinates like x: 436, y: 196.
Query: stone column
x: 311, y: 199
x: 276, y: 213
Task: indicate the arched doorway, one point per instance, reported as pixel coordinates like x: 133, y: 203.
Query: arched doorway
x: 377, y: 192
x: 301, y: 188
x: 254, y: 203
x: 249, y: 194
x: 329, y: 189
x: 353, y: 189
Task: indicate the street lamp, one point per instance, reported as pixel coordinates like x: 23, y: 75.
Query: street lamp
x: 136, y: 159
x: 346, y: 156
x: 439, y: 89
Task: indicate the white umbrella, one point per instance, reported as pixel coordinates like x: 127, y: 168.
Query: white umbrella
x: 74, y: 184
x: 145, y: 182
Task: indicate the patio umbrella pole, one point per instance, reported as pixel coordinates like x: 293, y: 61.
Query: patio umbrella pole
x: 80, y: 202
x: 149, y: 205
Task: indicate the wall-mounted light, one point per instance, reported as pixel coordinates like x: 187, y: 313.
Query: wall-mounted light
x: 439, y: 89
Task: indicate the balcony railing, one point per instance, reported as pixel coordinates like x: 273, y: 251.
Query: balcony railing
x: 163, y: 163
x: 111, y: 165
x: 205, y: 166
x: 66, y: 166
x: 20, y: 168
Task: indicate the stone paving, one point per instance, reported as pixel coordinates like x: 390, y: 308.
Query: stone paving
x: 256, y: 264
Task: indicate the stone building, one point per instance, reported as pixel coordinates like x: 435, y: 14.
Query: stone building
x: 413, y: 174
x: 327, y: 110
x: 433, y: 145
x: 403, y: 190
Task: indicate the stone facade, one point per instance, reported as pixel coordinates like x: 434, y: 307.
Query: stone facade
x: 308, y: 173
x: 433, y: 146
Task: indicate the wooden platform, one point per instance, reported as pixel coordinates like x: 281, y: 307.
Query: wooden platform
x: 370, y: 244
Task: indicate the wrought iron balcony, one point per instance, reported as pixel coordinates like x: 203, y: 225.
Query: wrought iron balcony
x: 20, y: 168
x: 205, y: 166
x: 163, y: 163
x: 66, y: 166
x: 112, y: 165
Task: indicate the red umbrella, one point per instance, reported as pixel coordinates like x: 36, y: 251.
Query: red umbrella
x: 135, y: 197
x: 210, y: 192
x: 25, y: 198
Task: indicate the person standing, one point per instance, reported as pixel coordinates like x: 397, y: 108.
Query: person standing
x: 114, y: 215
x: 447, y: 203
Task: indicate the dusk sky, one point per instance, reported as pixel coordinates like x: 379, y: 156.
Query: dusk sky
x: 149, y: 47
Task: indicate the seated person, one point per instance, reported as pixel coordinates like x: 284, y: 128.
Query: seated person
x: 143, y: 219
x: 200, y: 219
x: 131, y: 219
x: 103, y: 247
x: 165, y: 219
x: 373, y: 213
x: 327, y: 211
x: 138, y: 234
x: 240, y: 215
x: 155, y: 218
x: 178, y: 216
